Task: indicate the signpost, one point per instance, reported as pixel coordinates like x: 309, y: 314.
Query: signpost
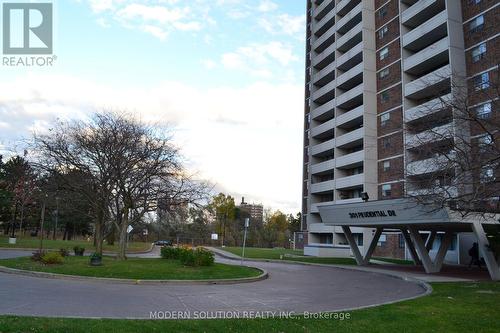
x: 247, y: 224
x: 129, y: 230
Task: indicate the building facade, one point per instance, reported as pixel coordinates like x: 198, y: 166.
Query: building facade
x: 376, y: 71
x: 256, y: 211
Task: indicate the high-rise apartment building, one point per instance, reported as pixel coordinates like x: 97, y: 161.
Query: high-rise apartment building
x: 376, y: 70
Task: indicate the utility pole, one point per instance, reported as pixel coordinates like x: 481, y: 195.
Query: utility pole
x: 247, y: 223
x: 57, y: 218
x: 42, y: 220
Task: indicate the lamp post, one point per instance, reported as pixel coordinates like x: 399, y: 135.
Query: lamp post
x: 42, y: 220
x: 57, y: 218
x: 247, y: 223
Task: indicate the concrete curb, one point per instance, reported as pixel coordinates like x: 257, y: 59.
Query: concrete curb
x: 106, y: 253
x: 264, y: 275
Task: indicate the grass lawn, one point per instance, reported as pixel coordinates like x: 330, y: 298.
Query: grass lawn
x: 34, y: 242
x: 294, y: 255
x: 452, y: 307
x: 134, y: 268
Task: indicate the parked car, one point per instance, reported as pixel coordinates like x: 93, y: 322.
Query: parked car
x: 163, y: 243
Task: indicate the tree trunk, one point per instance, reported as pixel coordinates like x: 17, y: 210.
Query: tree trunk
x: 98, y: 239
x: 123, y: 236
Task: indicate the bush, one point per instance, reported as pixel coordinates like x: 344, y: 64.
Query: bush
x: 203, y: 257
x: 188, y: 256
x: 79, y: 251
x: 64, y: 252
x: 52, y: 258
x: 171, y: 252
x: 37, y: 256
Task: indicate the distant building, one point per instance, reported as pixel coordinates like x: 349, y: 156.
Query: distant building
x: 256, y: 211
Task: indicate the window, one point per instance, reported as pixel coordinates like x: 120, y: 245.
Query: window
x: 474, y: 2
x: 382, y: 12
x: 482, y: 81
x: 387, y: 166
x: 485, y: 142
x: 383, y: 73
x: 386, y: 190
x: 384, y: 97
x: 384, y: 119
x: 383, y: 32
x: 478, y: 52
x: 384, y: 53
x: 484, y: 111
x: 487, y: 175
x: 476, y: 24
x: 359, y: 239
x: 386, y: 142
x: 401, y: 239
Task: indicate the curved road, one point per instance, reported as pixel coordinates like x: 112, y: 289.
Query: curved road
x: 296, y: 288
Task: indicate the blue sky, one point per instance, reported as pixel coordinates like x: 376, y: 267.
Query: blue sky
x: 228, y: 74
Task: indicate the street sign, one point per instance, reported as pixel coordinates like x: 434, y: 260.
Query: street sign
x: 247, y: 222
x: 129, y: 229
x: 215, y: 236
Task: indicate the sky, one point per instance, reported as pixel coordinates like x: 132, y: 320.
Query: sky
x: 226, y: 74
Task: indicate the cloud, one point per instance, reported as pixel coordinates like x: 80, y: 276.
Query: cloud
x: 259, y: 59
x: 284, y: 24
x: 247, y: 140
x: 267, y: 6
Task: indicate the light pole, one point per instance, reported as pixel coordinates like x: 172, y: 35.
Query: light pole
x: 247, y: 223
x: 42, y: 220
x: 57, y: 218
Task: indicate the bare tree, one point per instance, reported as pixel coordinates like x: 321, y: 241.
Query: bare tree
x: 453, y: 147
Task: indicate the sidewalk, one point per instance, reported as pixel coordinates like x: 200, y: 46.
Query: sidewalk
x: 448, y: 274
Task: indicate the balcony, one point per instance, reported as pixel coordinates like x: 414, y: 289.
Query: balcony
x: 446, y: 191
x: 350, y: 20
x: 351, y: 98
x: 324, y: 112
x: 428, y: 108
x: 351, y: 38
x: 325, y: 75
x: 429, y: 85
x: 421, y: 11
x: 432, y: 56
x: 429, y: 165
x: 351, y: 58
x: 321, y: 26
x: 325, y: 40
x: 324, y: 58
x: 351, y: 139
x: 324, y: 94
x: 347, y: 201
x: 351, y: 78
x: 345, y: 6
x: 350, y: 118
x: 436, y: 134
x: 323, y: 167
x: 323, y: 148
x: 427, y: 33
x: 323, y: 130
x: 350, y: 160
x: 323, y: 9
x: 345, y: 183
x: 323, y: 187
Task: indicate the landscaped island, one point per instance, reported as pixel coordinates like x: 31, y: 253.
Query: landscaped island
x: 135, y: 268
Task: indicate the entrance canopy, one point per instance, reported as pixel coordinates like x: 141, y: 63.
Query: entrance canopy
x: 411, y: 218
x: 398, y: 213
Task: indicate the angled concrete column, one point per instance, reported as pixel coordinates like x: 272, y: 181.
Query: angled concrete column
x: 484, y: 248
x: 443, y: 248
x: 430, y: 240
x: 353, y: 245
x: 360, y: 259
x: 417, y: 240
x: 410, y: 246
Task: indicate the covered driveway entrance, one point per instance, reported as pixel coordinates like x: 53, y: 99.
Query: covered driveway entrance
x: 411, y: 219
